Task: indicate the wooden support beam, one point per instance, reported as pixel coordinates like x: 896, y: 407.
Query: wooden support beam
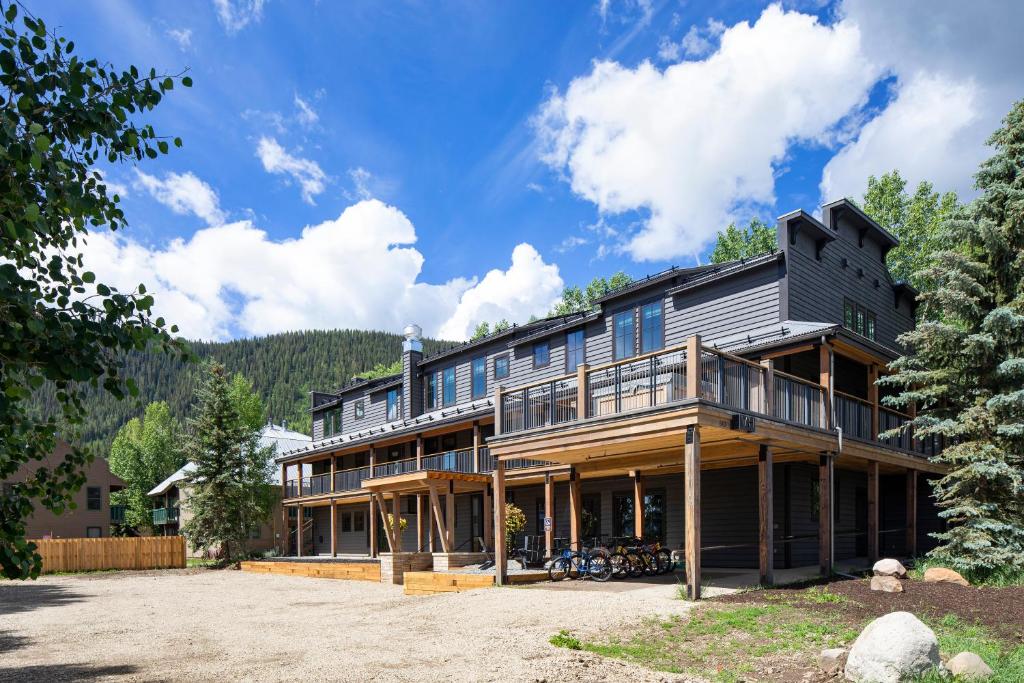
x: 476, y: 445
x: 825, y: 380
x: 766, y: 516
x: 825, y: 514
x: 582, y: 404
x: 638, y: 503
x: 419, y: 523
x: 438, y: 518
x: 873, y: 399
x: 334, y: 529
x: 298, y: 530
x: 284, y: 481
x: 396, y: 522
x: 285, y: 531
x: 575, y: 509
x: 691, y: 460
x: 500, y: 552
x: 549, y: 513
x: 911, y: 513
x: 449, y: 515
x: 872, y: 511
x: 768, y: 390
x: 333, y: 470
x: 374, y: 550
x: 693, y: 352
x: 497, y: 409
x: 382, y: 506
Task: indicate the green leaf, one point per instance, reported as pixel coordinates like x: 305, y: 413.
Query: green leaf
x: 42, y: 143
x: 162, y: 144
x: 88, y: 277
x: 11, y: 13
x: 32, y: 212
x: 35, y: 129
x: 186, y: 81
x: 102, y: 289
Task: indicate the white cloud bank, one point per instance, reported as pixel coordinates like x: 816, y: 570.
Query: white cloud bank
x: 699, y: 143
x: 356, y: 271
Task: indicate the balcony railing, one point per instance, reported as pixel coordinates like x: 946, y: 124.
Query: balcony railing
x: 452, y: 461
x: 646, y: 382
x: 797, y: 400
x: 165, y: 516
x: 352, y: 479
x: 542, y: 405
x: 853, y: 416
x: 390, y: 469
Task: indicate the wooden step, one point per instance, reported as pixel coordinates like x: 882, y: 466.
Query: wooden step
x: 355, y: 571
x: 431, y: 583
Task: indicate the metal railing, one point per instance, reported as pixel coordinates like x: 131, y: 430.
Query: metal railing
x: 165, y: 516
x: 316, y: 484
x: 389, y: 469
x: 853, y: 415
x: 452, y: 461
x: 351, y: 479
x: 486, y: 460
x: 541, y: 405
x: 732, y: 381
x: 889, y: 419
x: 646, y: 382
x: 798, y: 400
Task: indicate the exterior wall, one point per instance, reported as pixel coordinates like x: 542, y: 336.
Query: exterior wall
x: 746, y: 300
x: 73, y: 523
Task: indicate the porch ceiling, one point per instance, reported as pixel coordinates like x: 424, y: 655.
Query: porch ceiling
x: 422, y: 480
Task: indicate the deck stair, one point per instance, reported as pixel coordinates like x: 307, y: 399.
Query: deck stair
x: 354, y: 571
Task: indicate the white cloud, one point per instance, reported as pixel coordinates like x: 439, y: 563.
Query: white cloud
x: 234, y: 15
x: 183, y: 193
x: 305, y: 114
x: 359, y: 270
x: 360, y: 180
x: 694, y: 144
x: 181, y: 36
x: 639, y: 11
x: 957, y: 69
x: 698, y: 42
x: 570, y: 243
x: 305, y: 172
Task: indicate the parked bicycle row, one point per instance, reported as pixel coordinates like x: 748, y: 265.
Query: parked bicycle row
x: 620, y: 558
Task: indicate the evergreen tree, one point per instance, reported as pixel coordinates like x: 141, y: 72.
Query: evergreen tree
x: 734, y: 244
x: 964, y: 367
x: 145, y: 452
x: 230, y: 487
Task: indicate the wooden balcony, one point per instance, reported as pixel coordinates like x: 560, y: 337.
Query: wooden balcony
x: 162, y: 516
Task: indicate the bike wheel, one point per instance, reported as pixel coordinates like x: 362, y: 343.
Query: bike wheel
x: 650, y: 563
x: 575, y: 563
x: 559, y: 569
x: 600, y: 569
x: 636, y: 565
x: 664, y: 559
x: 620, y: 565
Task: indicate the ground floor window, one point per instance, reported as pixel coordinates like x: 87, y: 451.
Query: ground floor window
x: 591, y: 513
x: 93, y: 532
x: 654, y: 515
x: 358, y: 520
x: 538, y: 527
x: 622, y: 514
x: 346, y: 522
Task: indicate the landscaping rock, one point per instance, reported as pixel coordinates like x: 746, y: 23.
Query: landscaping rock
x: 832, y: 660
x: 890, y: 567
x: 891, y: 649
x: 943, y: 575
x: 887, y: 584
x: 969, y: 667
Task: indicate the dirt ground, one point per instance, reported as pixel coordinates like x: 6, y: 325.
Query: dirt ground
x: 229, y: 625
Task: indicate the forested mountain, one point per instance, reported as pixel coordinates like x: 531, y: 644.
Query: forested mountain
x: 282, y: 367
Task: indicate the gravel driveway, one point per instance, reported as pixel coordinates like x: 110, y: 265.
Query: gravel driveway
x: 201, y: 625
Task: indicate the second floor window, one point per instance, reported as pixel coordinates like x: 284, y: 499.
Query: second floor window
x: 431, y: 391
x: 501, y: 369
x: 479, y: 377
x: 448, y: 385
x: 360, y: 409
x: 858, y: 319
x: 94, y: 498
x: 624, y: 333
x: 394, y: 403
x: 541, y: 354
x: 332, y: 422
x: 651, y: 329
x: 574, y: 350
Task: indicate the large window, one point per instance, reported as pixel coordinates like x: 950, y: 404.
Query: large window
x: 93, y: 532
x: 332, y: 422
x: 625, y: 335
x: 394, y: 405
x: 479, y: 366
x: 654, y: 515
x: 541, y: 354
x: 622, y: 514
x: 501, y: 369
x: 94, y: 498
x: 431, y: 391
x: 575, y: 354
x: 448, y: 385
x: 651, y: 329
x: 858, y: 319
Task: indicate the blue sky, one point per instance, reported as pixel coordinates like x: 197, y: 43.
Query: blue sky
x: 365, y: 164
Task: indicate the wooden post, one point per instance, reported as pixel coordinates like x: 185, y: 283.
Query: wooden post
x: 449, y: 516
x: 825, y: 380
x: 333, y: 470
x: 419, y: 451
x: 769, y: 386
x: 437, y: 516
x: 285, y: 530
x: 298, y: 530
x: 500, y: 552
x: 766, y: 516
x: 911, y: 513
x: 388, y: 530
x: 374, y: 550
x: 873, y: 399
x: 825, y: 514
x: 476, y: 446
x: 334, y: 529
x: 575, y: 509
x: 284, y: 481
x: 693, y: 370
x: 396, y: 522
x: 488, y: 521
x: 873, y: 511
x: 691, y: 460
x: 549, y: 512
x: 497, y: 410
x: 638, y: 504
x: 419, y: 523
x: 582, y: 404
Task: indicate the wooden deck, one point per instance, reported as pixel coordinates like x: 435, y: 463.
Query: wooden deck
x: 354, y: 571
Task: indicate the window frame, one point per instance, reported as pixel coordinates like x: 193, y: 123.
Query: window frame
x: 359, y: 409
x: 89, y: 493
x: 642, y: 337
x: 393, y: 400
x: 870, y: 325
x: 444, y: 386
x: 430, y: 387
x: 631, y: 314
x: 481, y: 362
x: 507, y: 363
x: 570, y: 352
x: 546, y: 345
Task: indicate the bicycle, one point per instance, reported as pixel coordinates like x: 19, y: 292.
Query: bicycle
x: 580, y: 564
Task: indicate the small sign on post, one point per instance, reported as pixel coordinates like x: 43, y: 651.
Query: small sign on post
x: 547, y: 524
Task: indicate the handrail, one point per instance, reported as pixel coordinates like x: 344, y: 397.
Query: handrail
x: 801, y: 380
x: 732, y: 357
x: 891, y: 411
x: 633, y: 359
x: 538, y: 383
x: 855, y: 398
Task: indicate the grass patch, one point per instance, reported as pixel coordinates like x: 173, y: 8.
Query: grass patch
x: 956, y: 636
x: 200, y: 562
x: 998, y: 578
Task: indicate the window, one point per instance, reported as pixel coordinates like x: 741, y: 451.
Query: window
x: 575, y: 354
x: 410, y: 505
x: 859, y: 328
x: 479, y: 377
x: 858, y: 319
x: 358, y: 520
x: 541, y: 354
x: 654, y: 516
x: 393, y: 405
x: 93, y: 532
x: 432, y: 391
x: 448, y: 385
x: 623, y: 329
x: 346, y: 522
x: 360, y: 409
x: 869, y: 327
x: 501, y: 367
x: 622, y: 514
x: 539, y: 517
x: 591, y: 515
x: 848, y: 314
x: 93, y: 498
x: 651, y: 329
x: 332, y: 422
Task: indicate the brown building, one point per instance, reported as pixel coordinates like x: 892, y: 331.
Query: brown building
x: 92, y: 516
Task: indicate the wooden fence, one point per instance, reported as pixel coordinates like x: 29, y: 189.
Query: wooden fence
x: 91, y: 554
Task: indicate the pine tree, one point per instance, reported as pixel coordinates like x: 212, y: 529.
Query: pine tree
x: 965, y: 366
x: 230, y: 487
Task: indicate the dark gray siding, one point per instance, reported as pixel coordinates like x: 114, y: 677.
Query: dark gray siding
x: 724, y: 307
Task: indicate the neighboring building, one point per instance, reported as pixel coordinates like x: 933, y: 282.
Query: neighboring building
x: 93, y: 515
x: 731, y: 404
x: 170, y: 497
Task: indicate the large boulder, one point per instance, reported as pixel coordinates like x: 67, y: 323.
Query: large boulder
x: 887, y: 584
x: 892, y: 648
x: 889, y: 567
x: 943, y: 575
x: 969, y: 667
x: 832, y: 660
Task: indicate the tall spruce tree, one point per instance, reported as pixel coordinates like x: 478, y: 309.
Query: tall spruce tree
x: 230, y: 486
x: 965, y: 366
